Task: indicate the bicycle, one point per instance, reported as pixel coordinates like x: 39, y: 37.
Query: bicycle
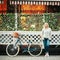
x: 14, y: 48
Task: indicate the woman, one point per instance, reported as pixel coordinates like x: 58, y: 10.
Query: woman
x: 46, y: 35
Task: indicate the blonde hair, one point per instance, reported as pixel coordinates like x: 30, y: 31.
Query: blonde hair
x: 45, y: 24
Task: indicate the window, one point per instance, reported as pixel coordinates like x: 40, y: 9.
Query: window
x: 29, y: 22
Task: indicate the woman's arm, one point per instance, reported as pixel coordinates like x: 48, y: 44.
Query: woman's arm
x: 50, y: 34
x: 42, y: 33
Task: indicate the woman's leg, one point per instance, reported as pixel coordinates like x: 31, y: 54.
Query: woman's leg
x: 46, y: 45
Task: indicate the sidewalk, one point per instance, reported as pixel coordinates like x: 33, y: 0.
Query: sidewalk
x: 30, y: 58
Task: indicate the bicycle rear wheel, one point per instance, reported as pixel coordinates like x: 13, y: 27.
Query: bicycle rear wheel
x: 34, y: 50
x: 12, y: 50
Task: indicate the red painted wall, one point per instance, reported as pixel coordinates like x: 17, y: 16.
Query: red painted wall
x: 3, y: 7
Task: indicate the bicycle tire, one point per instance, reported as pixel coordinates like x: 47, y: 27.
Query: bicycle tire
x: 32, y: 53
x: 12, y: 50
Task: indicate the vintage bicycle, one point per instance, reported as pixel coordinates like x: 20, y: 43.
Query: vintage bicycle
x: 14, y: 48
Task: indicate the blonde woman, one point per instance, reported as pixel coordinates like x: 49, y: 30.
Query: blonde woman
x: 46, y: 35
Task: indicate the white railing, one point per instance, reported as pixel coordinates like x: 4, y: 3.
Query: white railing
x: 7, y: 38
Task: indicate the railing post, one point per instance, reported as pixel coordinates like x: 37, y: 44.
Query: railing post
x: 16, y: 17
x: 43, y: 18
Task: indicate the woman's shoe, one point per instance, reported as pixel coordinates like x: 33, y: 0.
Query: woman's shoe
x: 47, y: 54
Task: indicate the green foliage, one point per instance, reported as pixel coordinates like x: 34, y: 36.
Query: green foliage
x: 53, y: 20
x: 33, y: 22
x: 8, y: 22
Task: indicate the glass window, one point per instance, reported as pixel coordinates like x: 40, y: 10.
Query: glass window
x: 7, y: 22
x: 29, y: 22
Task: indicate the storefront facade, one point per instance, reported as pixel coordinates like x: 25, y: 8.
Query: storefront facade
x: 30, y: 7
x: 27, y: 18
x: 29, y: 15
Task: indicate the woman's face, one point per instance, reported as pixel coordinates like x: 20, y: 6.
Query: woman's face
x: 46, y: 25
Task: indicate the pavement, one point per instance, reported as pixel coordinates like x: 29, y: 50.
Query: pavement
x: 29, y: 57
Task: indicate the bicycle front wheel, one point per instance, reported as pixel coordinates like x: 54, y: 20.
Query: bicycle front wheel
x: 34, y: 50
x: 12, y: 50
